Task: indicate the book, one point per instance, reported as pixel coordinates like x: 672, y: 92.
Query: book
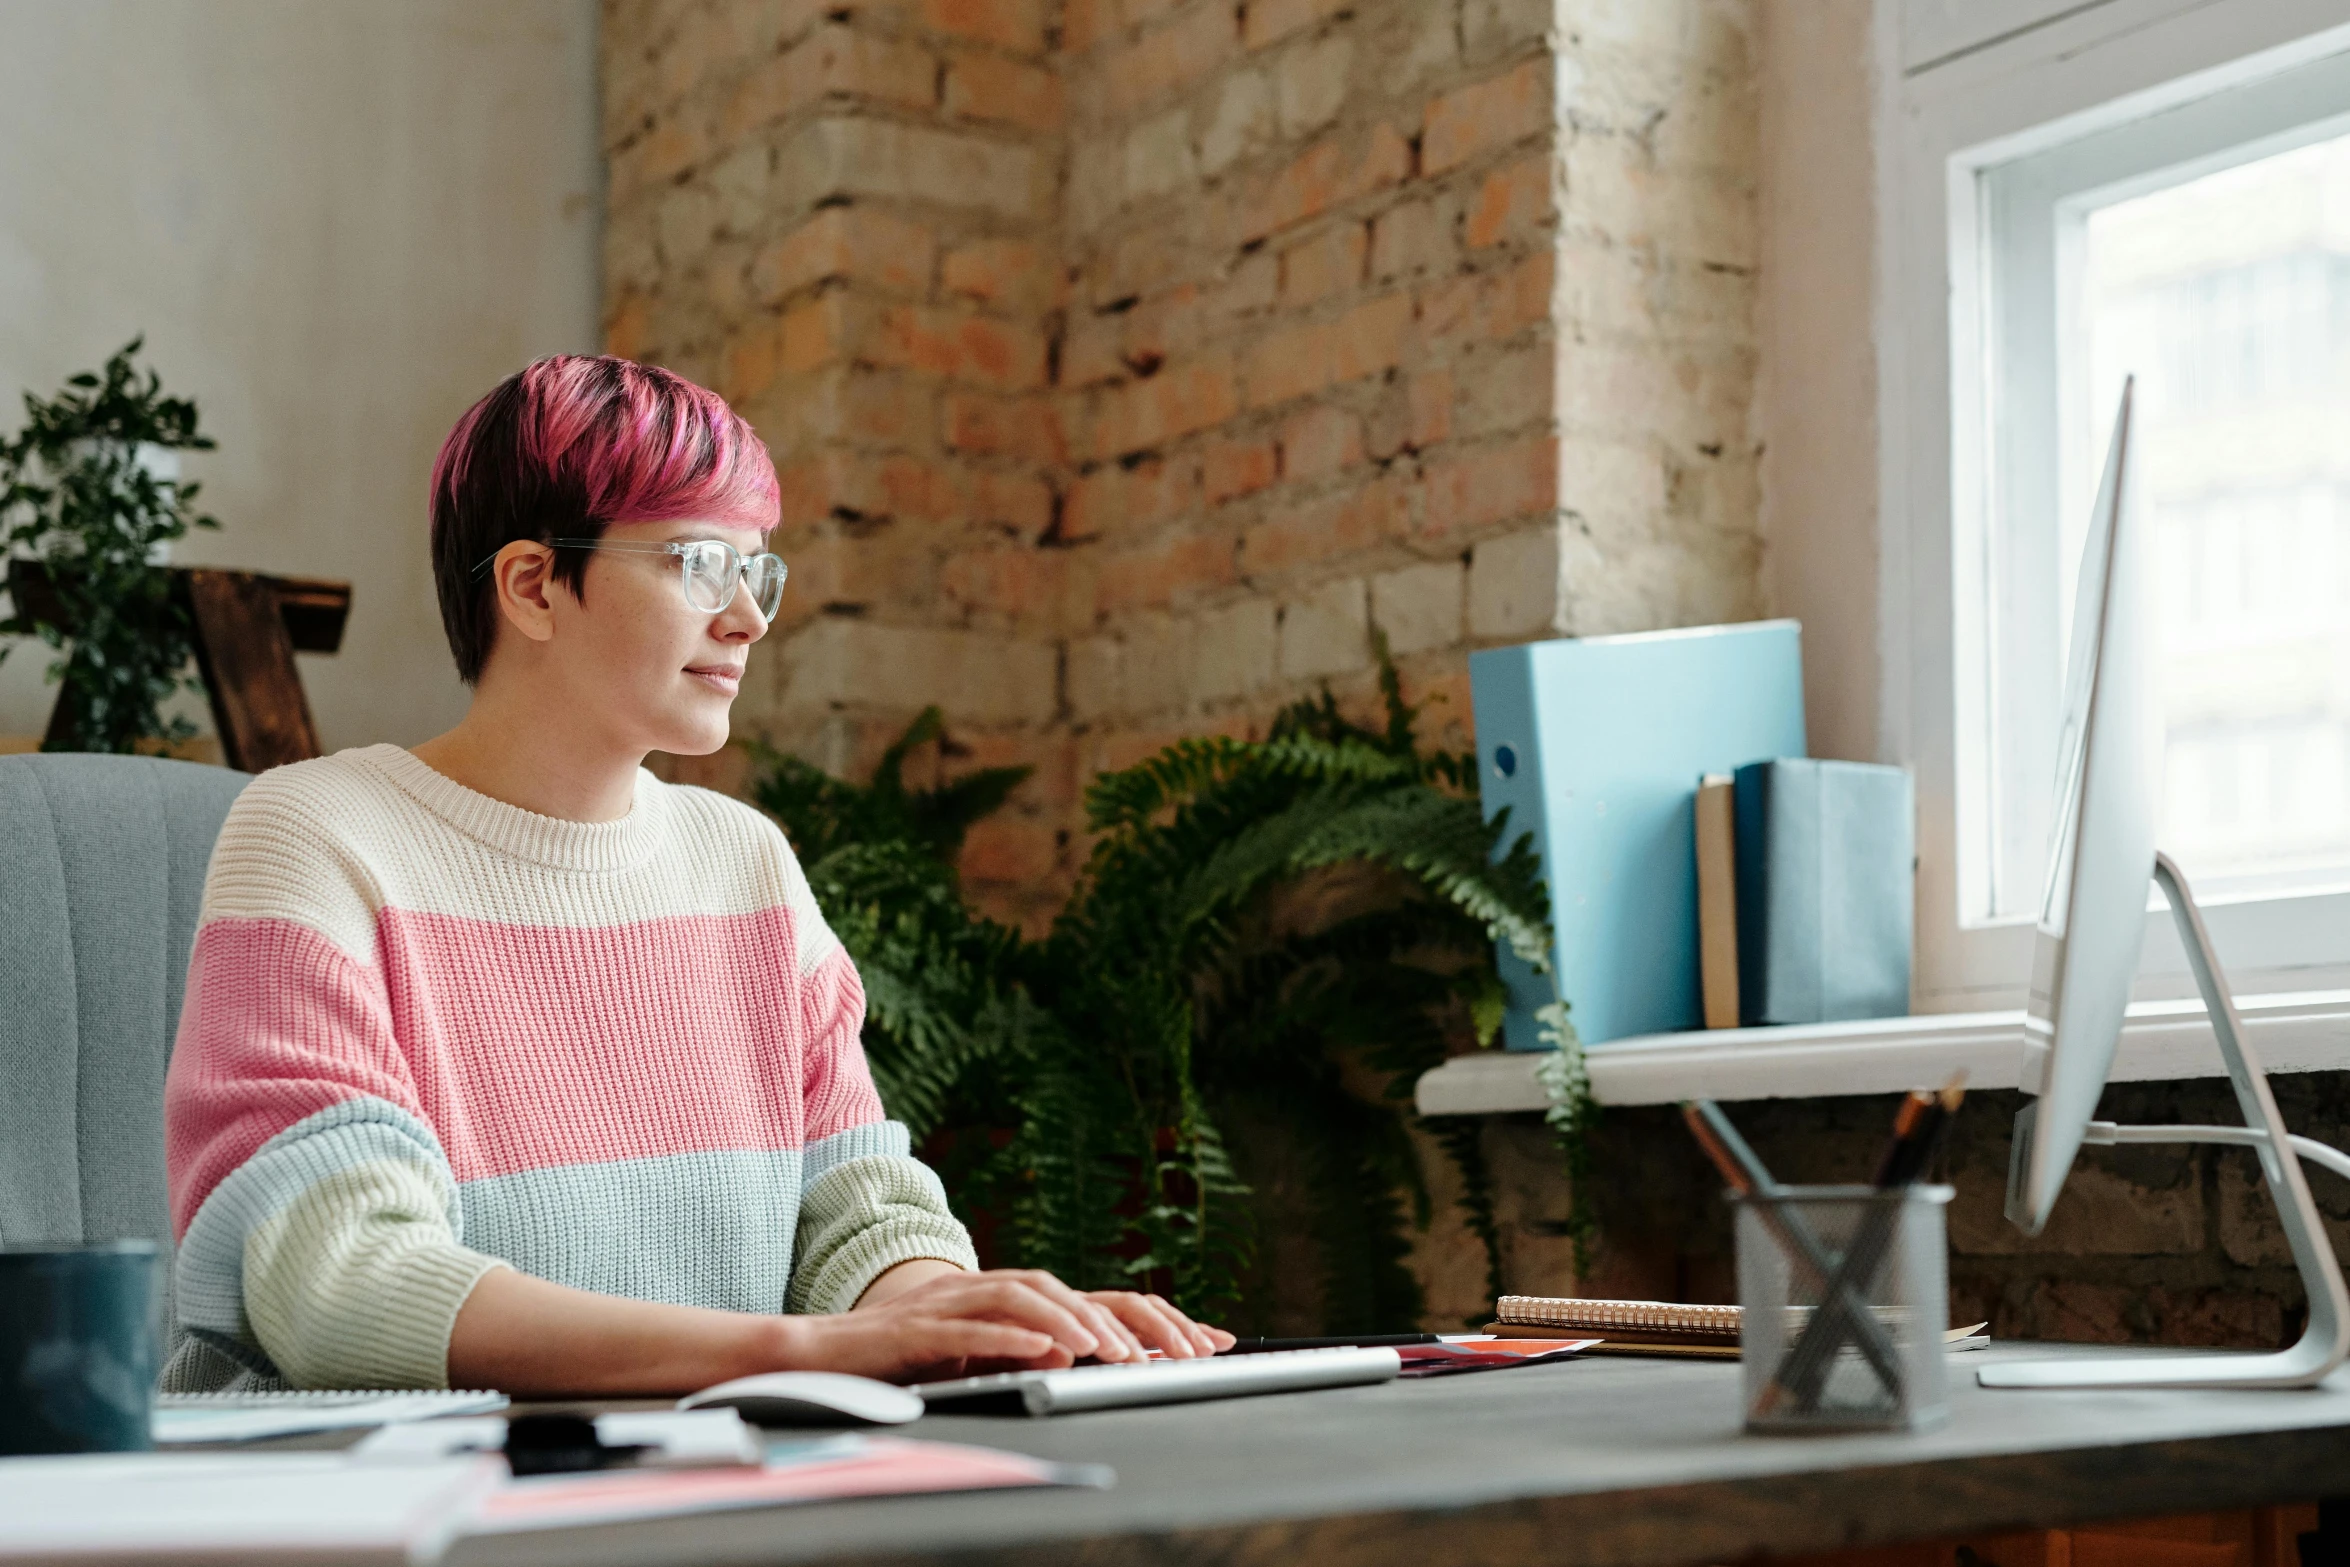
x: 1825, y: 856
x: 1717, y: 901
x: 1594, y: 745
x: 1658, y: 1327
x: 1622, y: 1321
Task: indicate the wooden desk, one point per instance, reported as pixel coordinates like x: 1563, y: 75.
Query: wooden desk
x: 1601, y: 1461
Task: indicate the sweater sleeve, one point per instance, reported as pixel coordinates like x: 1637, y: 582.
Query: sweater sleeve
x: 867, y: 1204
x: 318, y: 1221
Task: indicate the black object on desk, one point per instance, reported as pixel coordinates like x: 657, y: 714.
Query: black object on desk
x: 80, y: 1331
x: 1275, y: 1346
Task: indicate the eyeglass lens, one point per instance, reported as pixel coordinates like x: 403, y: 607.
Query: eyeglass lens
x: 713, y: 569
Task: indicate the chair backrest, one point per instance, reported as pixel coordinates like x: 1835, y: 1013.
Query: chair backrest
x: 102, y: 862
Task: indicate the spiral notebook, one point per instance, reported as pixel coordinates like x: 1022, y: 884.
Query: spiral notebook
x: 247, y: 1417
x: 1652, y: 1327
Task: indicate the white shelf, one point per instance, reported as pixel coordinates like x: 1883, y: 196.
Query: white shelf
x: 2304, y: 1032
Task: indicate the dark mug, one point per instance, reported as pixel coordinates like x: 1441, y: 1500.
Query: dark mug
x: 79, y: 1336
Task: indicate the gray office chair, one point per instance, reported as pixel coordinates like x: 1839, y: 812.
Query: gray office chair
x: 102, y: 863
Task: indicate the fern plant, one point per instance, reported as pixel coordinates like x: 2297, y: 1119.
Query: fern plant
x: 1081, y: 1085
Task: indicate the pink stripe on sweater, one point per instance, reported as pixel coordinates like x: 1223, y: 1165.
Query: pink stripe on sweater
x: 279, y: 1024
x: 534, y: 1046
x: 522, y: 1046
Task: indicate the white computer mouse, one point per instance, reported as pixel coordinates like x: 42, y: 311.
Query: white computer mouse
x: 810, y: 1398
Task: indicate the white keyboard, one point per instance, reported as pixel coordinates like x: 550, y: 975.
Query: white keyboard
x: 1158, y: 1382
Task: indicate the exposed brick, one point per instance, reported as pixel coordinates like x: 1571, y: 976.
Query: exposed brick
x: 1326, y: 175
x: 1245, y: 121
x: 845, y: 242
x: 1325, y: 632
x: 1302, y: 359
x: 1320, y: 442
x: 1324, y: 530
x: 1159, y: 156
x: 1514, y: 585
x: 1014, y: 274
x: 1431, y: 395
x: 1513, y: 203
x: 978, y: 677
x: 1233, y: 651
x: 1169, y: 58
x: 1014, y: 24
x: 1009, y: 850
x: 1030, y: 583
x: 1085, y: 23
x: 1413, y: 236
x: 958, y: 346
x: 1230, y: 469
x: 1177, y: 401
x: 869, y: 157
x: 990, y: 87
x: 832, y: 61
x: 1484, y: 115
x: 1491, y: 484
x: 1487, y: 307
x: 1269, y: 21
x: 1025, y: 427
x: 1419, y: 607
x: 1329, y: 263
x: 1163, y: 573
x: 624, y: 326
x: 1115, y: 496
x: 1312, y: 82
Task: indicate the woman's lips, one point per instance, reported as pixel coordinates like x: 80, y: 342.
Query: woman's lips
x: 726, y: 678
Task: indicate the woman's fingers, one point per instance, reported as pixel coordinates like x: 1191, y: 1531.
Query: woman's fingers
x: 1009, y: 1298
x: 1157, y: 1323
x: 1112, y: 1341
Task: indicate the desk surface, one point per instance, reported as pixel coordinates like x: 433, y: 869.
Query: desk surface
x: 1616, y: 1461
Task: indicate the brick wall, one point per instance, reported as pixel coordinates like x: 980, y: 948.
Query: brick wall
x: 1130, y: 362
x: 2146, y: 1244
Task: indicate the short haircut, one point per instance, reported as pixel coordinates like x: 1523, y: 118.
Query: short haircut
x: 563, y: 449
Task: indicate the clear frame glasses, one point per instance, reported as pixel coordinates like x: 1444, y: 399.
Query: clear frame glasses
x: 710, y: 570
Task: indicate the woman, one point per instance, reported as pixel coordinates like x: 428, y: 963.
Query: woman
x: 504, y: 1064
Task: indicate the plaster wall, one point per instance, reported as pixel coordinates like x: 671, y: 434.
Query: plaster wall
x: 337, y: 225
x: 1815, y: 414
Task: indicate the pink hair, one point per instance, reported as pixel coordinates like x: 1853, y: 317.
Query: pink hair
x: 565, y: 448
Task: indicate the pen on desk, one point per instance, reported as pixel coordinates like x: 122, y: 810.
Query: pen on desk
x: 1919, y: 1128
x: 1275, y: 1346
x: 1745, y: 1173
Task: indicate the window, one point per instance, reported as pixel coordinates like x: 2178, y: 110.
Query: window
x: 2148, y: 188
x: 2228, y: 296
x: 2204, y: 250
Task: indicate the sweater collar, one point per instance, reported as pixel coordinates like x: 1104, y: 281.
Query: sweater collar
x: 526, y: 835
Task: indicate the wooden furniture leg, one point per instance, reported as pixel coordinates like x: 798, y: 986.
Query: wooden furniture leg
x: 247, y: 658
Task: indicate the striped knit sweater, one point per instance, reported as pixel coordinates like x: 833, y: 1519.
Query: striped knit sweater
x: 427, y: 1034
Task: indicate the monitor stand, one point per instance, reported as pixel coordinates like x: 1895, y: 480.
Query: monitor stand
x: 2326, y: 1341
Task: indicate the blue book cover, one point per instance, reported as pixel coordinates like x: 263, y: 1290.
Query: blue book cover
x: 1595, y: 745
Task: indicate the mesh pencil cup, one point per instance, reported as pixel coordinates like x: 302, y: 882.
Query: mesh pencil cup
x: 1846, y: 1300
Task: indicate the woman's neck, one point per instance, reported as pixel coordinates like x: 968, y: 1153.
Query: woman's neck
x: 524, y: 754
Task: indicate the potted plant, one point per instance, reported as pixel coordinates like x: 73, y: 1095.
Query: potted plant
x: 90, y: 501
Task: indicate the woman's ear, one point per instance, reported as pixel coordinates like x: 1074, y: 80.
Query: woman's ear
x: 524, y: 573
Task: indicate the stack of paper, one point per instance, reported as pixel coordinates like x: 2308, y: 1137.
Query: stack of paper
x: 244, y: 1507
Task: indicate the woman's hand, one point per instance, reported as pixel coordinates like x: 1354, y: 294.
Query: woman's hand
x: 930, y: 1320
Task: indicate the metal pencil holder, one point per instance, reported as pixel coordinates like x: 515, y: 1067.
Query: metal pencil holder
x: 1846, y: 1303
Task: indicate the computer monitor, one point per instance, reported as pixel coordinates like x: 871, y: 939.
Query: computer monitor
x: 2092, y: 923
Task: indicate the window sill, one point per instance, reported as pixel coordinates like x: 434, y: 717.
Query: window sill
x: 2307, y: 1031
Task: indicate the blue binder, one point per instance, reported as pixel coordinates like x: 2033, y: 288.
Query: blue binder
x: 1595, y: 745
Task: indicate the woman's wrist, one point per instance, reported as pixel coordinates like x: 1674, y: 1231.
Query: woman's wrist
x: 900, y: 1278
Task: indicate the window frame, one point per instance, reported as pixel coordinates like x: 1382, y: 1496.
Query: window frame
x: 2146, y: 85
